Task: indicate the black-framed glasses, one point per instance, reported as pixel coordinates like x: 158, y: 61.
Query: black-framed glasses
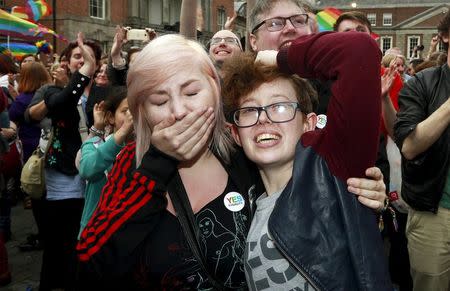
x: 227, y: 40
x: 278, y: 23
x: 277, y: 112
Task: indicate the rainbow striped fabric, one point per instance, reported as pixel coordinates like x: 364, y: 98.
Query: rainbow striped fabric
x: 33, y: 11
x: 19, y: 50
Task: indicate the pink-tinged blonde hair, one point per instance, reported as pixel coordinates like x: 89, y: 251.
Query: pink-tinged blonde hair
x: 155, y: 64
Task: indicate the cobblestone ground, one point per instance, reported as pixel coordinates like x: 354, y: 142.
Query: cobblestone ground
x: 25, y: 266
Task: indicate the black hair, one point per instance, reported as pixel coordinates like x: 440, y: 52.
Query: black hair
x: 67, y: 52
x: 116, y: 94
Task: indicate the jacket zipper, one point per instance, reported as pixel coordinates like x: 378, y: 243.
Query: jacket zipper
x: 304, y: 275
x: 251, y: 198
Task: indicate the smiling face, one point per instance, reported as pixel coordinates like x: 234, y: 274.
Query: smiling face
x: 221, y: 49
x: 263, y: 39
x: 101, y: 78
x: 185, y: 91
x: 268, y: 144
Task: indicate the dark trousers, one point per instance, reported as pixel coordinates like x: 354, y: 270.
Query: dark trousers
x: 61, y: 220
x: 38, y: 214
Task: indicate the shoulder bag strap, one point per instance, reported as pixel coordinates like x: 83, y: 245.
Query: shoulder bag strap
x: 185, y: 215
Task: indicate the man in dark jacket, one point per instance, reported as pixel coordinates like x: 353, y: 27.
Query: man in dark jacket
x: 422, y: 134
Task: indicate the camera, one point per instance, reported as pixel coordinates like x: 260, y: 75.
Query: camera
x: 420, y: 47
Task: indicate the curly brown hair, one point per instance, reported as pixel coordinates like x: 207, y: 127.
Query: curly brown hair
x: 241, y: 76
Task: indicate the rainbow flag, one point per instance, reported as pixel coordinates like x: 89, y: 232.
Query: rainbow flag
x: 327, y: 18
x: 38, y: 8
x: 15, y: 26
x: 19, y: 50
x: 33, y: 11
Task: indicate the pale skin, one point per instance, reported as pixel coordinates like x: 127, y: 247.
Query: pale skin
x: 428, y: 131
x: 181, y: 118
x: 83, y: 60
x: 275, y: 157
x: 221, y: 51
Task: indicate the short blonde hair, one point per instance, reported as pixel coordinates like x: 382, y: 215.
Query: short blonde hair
x: 156, y: 63
x: 387, y: 59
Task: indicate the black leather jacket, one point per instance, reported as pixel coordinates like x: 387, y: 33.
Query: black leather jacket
x: 322, y: 229
x: 424, y: 177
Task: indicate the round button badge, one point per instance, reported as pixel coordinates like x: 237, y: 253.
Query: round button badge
x: 234, y: 201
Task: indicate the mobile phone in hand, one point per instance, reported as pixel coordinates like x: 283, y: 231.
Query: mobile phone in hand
x: 137, y: 34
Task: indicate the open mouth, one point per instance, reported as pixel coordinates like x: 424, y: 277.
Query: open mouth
x: 222, y: 52
x: 285, y: 44
x: 266, y: 138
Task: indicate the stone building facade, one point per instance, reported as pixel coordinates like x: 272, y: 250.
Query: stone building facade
x: 98, y: 18
x: 400, y: 23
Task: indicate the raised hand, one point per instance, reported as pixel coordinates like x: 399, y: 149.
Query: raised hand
x: 121, y: 135
x: 60, y: 76
x: 387, y: 79
x: 184, y: 139
x: 99, y: 115
x: 229, y: 24
x: 89, y: 66
x: 118, y: 42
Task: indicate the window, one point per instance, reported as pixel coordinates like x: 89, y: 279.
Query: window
x: 413, y: 41
x: 97, y: 8
x: 385, y: 43
x: 372, y: 17
x: 2, y: 3
x: 171, y: 11
x: 206, y: 13
x: 221, y: 18
x: 387, y: 19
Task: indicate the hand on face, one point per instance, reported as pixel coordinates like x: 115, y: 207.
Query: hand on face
x: 184, y: 139
x: 127, y: 126
x: 371, y: 191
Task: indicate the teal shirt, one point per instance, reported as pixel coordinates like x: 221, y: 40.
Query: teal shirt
x: 445, y: 200
x: 97, y: 158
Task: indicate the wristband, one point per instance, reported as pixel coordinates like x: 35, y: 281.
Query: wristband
x: 96, y: 131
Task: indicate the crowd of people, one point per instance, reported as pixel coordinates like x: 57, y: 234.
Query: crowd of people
x: 175, y: 166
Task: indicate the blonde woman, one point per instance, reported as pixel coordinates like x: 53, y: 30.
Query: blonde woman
x: 135, y: 239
